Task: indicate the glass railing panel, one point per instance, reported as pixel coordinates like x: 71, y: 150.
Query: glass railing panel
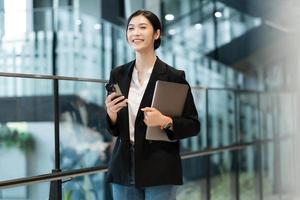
x: 222, y: 175
x: 94, y: 187
x: 85, y: 141
x: 270, y: 174
x: 39, y: 191
x: 286, y: 166
x: 27, y: 128
x: 249, y: 177
x: 195, y: 171
x: 279, y: 166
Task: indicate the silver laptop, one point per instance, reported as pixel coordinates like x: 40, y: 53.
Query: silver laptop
x: 169, y: 99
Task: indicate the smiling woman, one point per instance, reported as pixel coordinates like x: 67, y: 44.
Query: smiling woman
x: 134, y: 170
x: 142, y: 22
x: 141, y: 35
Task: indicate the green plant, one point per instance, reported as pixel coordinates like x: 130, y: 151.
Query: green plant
x: 14, y: 138
x: 68, y: 195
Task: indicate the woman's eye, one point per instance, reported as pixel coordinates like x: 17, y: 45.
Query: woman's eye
x: 130, y: 28
x: 143, y: 27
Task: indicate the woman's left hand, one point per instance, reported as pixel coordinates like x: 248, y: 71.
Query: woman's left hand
x: 153, y: 117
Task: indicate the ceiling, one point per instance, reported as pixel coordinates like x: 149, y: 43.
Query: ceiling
x: 266, y: 44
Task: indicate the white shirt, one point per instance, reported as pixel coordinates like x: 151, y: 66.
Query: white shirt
x: 135, y: 95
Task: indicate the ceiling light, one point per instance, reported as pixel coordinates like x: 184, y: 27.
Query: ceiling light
x: 218, y: 14
x: 172, y: 32
x: 169, y: 17
x: 97, y: 26
x: 198, y: 26
x: 78, y: 22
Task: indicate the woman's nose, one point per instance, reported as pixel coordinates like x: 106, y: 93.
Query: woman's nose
x: 136, y: 31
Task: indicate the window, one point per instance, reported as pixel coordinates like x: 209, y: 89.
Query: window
x: 15, y: 20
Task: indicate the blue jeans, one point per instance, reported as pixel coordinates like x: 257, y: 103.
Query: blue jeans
x: 163, y: 192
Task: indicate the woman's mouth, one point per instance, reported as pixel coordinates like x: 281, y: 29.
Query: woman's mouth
x: 137, y: 40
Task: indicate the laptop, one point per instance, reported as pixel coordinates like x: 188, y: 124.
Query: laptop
x: 169, y: 98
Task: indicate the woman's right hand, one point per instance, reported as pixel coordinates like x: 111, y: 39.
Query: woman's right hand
x: 113, y: 105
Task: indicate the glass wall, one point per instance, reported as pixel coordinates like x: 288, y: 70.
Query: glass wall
x: 208, y: 24
x: 33, y: 192
x: 26, y: 134
x: 70, y: 43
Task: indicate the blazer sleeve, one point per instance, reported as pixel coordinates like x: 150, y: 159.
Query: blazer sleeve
x: 188, y: 124
x: 113, y: 129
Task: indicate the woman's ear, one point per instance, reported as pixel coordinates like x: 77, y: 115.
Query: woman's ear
x: 157, y: 34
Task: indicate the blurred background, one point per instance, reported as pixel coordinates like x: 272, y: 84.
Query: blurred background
x: 241, y: 57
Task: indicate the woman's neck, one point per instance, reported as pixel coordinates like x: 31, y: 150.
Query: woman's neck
x: 145, y: 61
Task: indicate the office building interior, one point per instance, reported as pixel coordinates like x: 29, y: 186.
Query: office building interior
x: 241, y: 58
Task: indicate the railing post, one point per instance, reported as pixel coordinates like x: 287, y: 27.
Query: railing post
x: 259, y: 154
x: 236, y: 154
x: 208, y: 143
x: 55, y: 186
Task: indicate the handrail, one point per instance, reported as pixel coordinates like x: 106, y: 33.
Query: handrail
x: 50, y: 77
x: 72, y: 78
x: 210, y: 151
x: 92, y: 170
x: 51, y: 177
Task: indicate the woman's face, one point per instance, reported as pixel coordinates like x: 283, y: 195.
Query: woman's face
x: 141, y: 35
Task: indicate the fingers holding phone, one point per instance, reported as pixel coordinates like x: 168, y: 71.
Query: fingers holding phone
x: 115, y: 101
x: 113, y: 88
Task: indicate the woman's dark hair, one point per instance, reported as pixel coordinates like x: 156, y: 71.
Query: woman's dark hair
x: 153, y: 19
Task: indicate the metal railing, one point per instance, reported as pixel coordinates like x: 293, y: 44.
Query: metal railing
x: 57, y: 176
x: 101, y: 169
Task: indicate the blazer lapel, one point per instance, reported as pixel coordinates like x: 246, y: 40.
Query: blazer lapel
x: 158, y: 73
x: 126, y: 79
x: 124, y: 83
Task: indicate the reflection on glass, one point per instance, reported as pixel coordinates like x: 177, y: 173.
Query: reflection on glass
x: 38, y: 191
x: 270, y: 177
x: 194, y: 177
x: 26, y: 129
x: 249, y: 171
x: 93, y: 187
x: 85, y: 141
x: 222, y: 171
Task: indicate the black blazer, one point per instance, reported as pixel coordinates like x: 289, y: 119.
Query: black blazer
x: 156, y: 162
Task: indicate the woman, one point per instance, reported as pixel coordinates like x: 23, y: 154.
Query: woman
x: 139, y: 168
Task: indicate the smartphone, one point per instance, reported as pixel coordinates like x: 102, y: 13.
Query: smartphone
x: 110, y: 88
